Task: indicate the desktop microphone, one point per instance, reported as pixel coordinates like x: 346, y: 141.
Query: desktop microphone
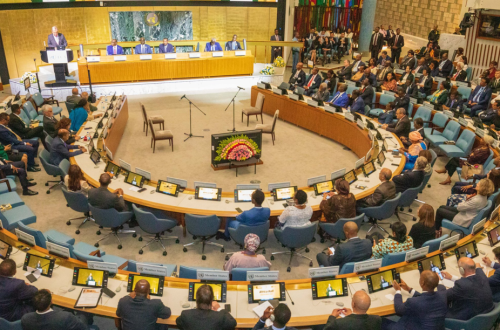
x: 240, y: 87
x: 288, y: 293
x: 183, y: 96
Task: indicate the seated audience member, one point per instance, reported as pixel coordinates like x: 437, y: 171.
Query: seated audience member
x: 357, y: 76
x: 492, y: 69
x: 463, y: 214
x: 139, y: 312
x: 494, y: 280
x: 434, y: 69
x: 102, y: 198
x: 355, y: 318
x: 440, y: 96
x: 213, y: 46
x: 471, y: 295
x: 404, y: 77
x: 413, y: 151
x: 390, y: 83
x: 418, y: 123
x: 466, y: 188
x: 402, y: 127
x: 207, y: 315
x: 398, y: 242
x: 65, y: 123
x: 427, y: 155
x: 490, y: 116
x: 353, y: 250
x: 495, y: 83
x: 408, y: 60
x: 322, y: 94
x: 7, y: 156
x: 424, y: 230
x: 80, y: 114
x: 113, y: 49
x: 340, y: 99
x: 461, y: 74
x: 420, y: 67
x: 338, y: 204
x: 297, y: 215
x: 372, y: 65
x: 49, y: 121
x: 24, y: 130
x: 428, y: 59
x: 249, y: 257
x: 478, y: 99
x: 454, y: 101
x: 387, y: 116
x: 372, y: 79
x: 143, y: 48
x: 253, y: 217
x: 330, y: 81
x: 59, y: 150
x: 401, y: 100
x: 411, y: 88
x: 346, y: 72
x: 426, y: 310
x: 298, y: 77
x: 282, y: 315
x: 92, y: 107
x: 15, y: 294
x: 165, y: 47
x: 47, y: 318
x: 75, y: 181
x: 358, y: 105
x: 18, y: 168
x: 386, y: 190
x: 383, y: 58
x: 425, y: 84
x: 313, y: 82
x: 358, y: 64
x: 413, y: 178
x: 445, y: 66
x: 367, y: 93
x: 478, y: 156
x: 470, y: 189
x: 74, y: 97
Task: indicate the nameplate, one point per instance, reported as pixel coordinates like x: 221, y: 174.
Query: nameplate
x: 255, y: 276
x: 350, y: 83
x: 212, y: 275
x: 389, y: 93
x: 26, y: 238
x: 462, y: 121
x: 58, y: 250
x: 1, y: 225
x: 448, y: 113
x: 360, y: 124
x: 418, y: 75
x: 349, y: 116
x: 109, y: 266
x: 310, y: 64
x: 240, y: 53
x: 144, y: 173
x: 278, y: 91
x: 125, y: 165
x: 439, y: 79
x: 324, y: 272
x: 120, y: 58
x: 146, y: 57
x: 194, y: 55
x: 294, y: 97
x: 261, y: 85
x: 217, y: 54
x: 93, y: 59
x: 400, y: 71
x: 170, y: 56
x: 449, y: 242
x: 480, y: 132
x: 152, y: 269
x: 329, y: 108
x: 461, y: 84
x: 370, y: 136
x: 416, y: 254
x: 366, y: 266
x: 478, y: 226
x: 312, y: 103
x: 57, y: 56
x: 413, y: 100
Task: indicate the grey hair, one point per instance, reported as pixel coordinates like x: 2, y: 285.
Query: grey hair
x: 461, y: 65
x: 213, y: 39
x: 401, y: 111
x: 420, y: 163
x: 46, y: 107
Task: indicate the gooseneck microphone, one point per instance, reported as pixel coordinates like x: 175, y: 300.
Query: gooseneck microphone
x: 240, y: 87
x: 183, y: 96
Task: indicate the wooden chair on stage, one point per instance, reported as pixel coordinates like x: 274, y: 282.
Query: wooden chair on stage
x: 255, y: 110
x: 154, y: 119
x: 269, y: 128
x: 160, y: 135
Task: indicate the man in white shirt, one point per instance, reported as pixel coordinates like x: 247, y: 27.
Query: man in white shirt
x: 56, y: 39
x: 233, y: 44
x: 142, y: 48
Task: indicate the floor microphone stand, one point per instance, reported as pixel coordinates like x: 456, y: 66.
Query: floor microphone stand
x: 232, y: 101
x: 190, y: 135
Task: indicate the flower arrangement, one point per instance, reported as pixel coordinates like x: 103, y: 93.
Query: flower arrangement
x: 238, y: 147
x: 279, y: 62
x: 32, y: 77
x: 268, y: 70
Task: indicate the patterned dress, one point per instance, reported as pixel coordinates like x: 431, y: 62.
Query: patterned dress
x: 389, y: 245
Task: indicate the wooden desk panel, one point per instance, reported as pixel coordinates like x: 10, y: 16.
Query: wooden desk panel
x: 115, y: 133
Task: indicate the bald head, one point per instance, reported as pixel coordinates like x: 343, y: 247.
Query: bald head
x: 360, y: 302
x: 468, y: 265
x: 350, y: 229
x: 429, y: 280
x: 385, y: 174
x: 104, y: 179
x: 74, y: 91
x: 8, y: 268
x: 142, y: 288
x: 85, y: 95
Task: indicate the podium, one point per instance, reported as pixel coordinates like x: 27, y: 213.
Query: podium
x: 59, y: 59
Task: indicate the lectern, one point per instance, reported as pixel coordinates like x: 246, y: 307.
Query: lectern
x: 59, y: 59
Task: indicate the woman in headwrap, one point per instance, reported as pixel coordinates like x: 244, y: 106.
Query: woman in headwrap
x: 338, y: 204
x: 411, y: 155
x: 247, y: 258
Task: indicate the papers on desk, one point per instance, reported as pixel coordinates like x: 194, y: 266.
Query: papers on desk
x: 390, y: 296
x: 259, y: 310
x: 35, y: 272
x: 447, y: 283
x: 88, y: 298
x: 136, y: 189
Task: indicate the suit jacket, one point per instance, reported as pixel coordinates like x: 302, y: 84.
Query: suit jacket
x: 427, y: 85
x: 273, y: 38
x: 262, y: 325
x: 147, y: 49
x: 354, y: 322
x: 483, y: 98
x: 73, y: 99
x: 407, y: 61
x: 494, y: 85
x: 401, y: 41
x: 495, y: 282
x: 49, y: 126
x: 446, y: 69
x: 18, y: 125
x: 382, y: 74
x: 55, y: 320
x: 462, y: 75
x: 358, y: 105
x: 230, y: 43
x: 386, y: 190
x: 59, y: 150
x: 408, y: 180
x: 217, y: 47
x: 102, y: 198
x: 469, y: 297
x: 380, y: 40
x: 52, y: 41
x: 316, y: 82
x: 141, y: 313
x: 254, y: 216
x: 109, y: 51
x: 166, y: 49
x: 381, y: 59
x: 345, y: 72
x: 420, y: 68
x: 356, y: 64
x: 353, y: 250
x: 371, y: 78
x: 7, y: 137
x: 402, y: 102
x: 323, y: 96
x: 195, y: 319
x: 301, y: 79
x: 412, y: 90
x: 341, y: 100
x: 367, y: 95
x: 14, y: 294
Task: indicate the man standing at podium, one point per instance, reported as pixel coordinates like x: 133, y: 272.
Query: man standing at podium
x: 142, y: 48
x: 114, y: 49
x: 56, y: 39
x: 165, y: 47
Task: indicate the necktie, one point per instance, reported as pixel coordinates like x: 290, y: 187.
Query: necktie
x: 114, y: 50
x: 456, y: 75
x: 311, y: 81
x: 375, y: 39
x: 442, y: 64
x: 142, y: 51
x: 17, y: 136
x: 396, y: 42
x: 335, y: 98
x: 451, y: 105
x: 476, y: 98
x: 213, y: 48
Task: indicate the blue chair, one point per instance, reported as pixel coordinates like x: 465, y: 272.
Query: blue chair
x: 80, y: 247
x: 78, y: 202
x: 450, y: 133
x: 40, y: 100
x: 488, y: 166
x: 32, y: 113
x: 9, y: 195
x: 238, y: 235
x: 384, y: 211
x: 479, y: 322
x: 492, y: 199
x: 7, y: 185
x: 20, y: 214
x: 383, y: 101
x: 439, y: 120
x: 434, y: 157
x: 50, y: 169
x: 433, y: 244
x: 203, y: 227
x: 122, y: 263
x: 48, y: 141
x: 6, y: 325
x: 424, y: 114
x: 393, y: 258
x: 407, y: 198
x: 190, y: 272
x: 427, y: 177
x: 70, y: 106
x: 64, y: 166
x: 462, y: 147
x: 240, y: 274
x: 295, y: 239
x: 350, y: 89
x: 111, y: 218
x: 467, y: 230
x: 464, y: 91
x: 132, y: 266
x: 41, y: 238
x: 469, y: 74
x: 149, y: 223
x: 336, y: 230
x: 347, y: 268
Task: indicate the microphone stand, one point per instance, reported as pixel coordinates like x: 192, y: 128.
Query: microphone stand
x: 232, y: 101
x: 190, y: 135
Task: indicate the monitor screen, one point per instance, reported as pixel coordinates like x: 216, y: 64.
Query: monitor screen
x: 329, y: 288
x: 468, y: 250
x: 45, y: 265
x: 219, y: 289
x: 135, y: 179
x: 350, y: 177
x: 434, y: 263
x: 211, y: 194
x: 281, y: 194
x: 494, y: 236
x: 5, y: 250
x: 95, y: 157
x: 155, y: 283
x: 323, y: 187
x: 368, y: 168
x: 262, y: 292
x: 90, y: 277
x: 381, y: 158
x: 381, y: 281
x: 243, y: 195
x: 167, y: 188
x: 112, y: 168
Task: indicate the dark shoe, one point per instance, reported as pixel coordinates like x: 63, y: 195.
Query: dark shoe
x: 33, y: 169
x: 31, y: 179
x: 29, y: 192
x: 31, y: 184
x: 36, y: 165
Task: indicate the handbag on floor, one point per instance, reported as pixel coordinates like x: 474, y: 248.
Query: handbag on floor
x: 469, y: 170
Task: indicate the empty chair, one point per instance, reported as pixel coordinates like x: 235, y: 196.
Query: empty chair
x: 393, y: 258
x: 256, y: 109
x: 240, y: 274
x: 203, y: 227
x: 7, y: 185
x: 20, y: 214
x: 81, y: 247
x: 336, y: 230
x: 238, y: 235
x: 467, y: 230
x: 64, y: 166
x: 132, y: 266
x: 462, y: 147
x: 6, y: 325
x: 190, y: 272
x: 120, y: 262
x: 464, y: 91
x: 8, y: 194
x: 438, y: 121
x: 32, y: 114
x: 450, y: 133
x: 384, y: 211
x: 51, y: 170
x: 111, y: 218
x: 383, y: 101
x: 347, y: 268
x: 152, y: 225
x: 154, y: 119
x: 77, y: 202
x: 407, y: 198
x: 40, y: 100
x: 479, y: 322
x: 433, y: 244
x: 41, y: 238
x: 160, y: 135
x: 296, y: 239
x: 269, y: 128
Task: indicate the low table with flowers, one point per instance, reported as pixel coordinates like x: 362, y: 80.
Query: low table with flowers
x: 237, y: 151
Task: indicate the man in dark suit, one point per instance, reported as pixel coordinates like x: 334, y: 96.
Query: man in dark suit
x: 298, y: 77
x: 376, y: 43
x: 18, y: 168
x: 479, y: 98
x: 282, y: 315
x: 15, y: 294
x: 340, y: 99
x: 346, y: 72
x: 56, y: 39
x: 386, y: 190
x: 138, y: 312
x: 397, y: 43
x: 495, y: 82
x: 142, y: 47
x: 471, y: 295
x: 426, y: 310
x: 24, y: 130
x: 382, y: 58
x: 434, y: 34
x: 165, y: 47
x: 355, y: 318
x: 8, y: 137
x: 401, y: 100
x: 102, y: 198
x: 411, y: 179
x: 358, y: 105
x: 59, y: 150
x: 207, y: 315
x: 367, y: 92
x: 494, y: 280
x: 488, y: 116
x: 113, y: 49
x: 233, y: 44
x: 454, y: 101
x: 353, y: 250
x: 383, y: 73
x: 425, y: 83
x: 410, y: 88
x: 46, y: 318
x: 49, y: 122
x: 367, y: 73
x: 357, y: 64
x: 421, y: 66
x: 74, y: 97
x: 445, y: 66
x: 408, y: 60
x: 313, y: 82
x: 275, y: 50
x: 460, y: 75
